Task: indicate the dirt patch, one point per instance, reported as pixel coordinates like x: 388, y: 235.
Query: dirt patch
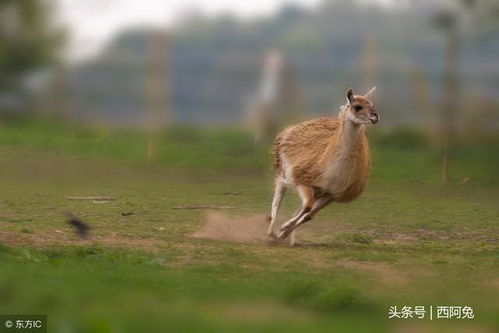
x: 219, y: 226
x: 66, y: 238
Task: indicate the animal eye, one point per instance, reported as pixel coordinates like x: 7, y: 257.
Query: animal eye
x: 357, y: 107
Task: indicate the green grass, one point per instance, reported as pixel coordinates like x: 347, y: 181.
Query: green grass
x: 402, y: 154
x: 409, y: 240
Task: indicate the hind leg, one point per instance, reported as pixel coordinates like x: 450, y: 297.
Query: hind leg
x: 279, y: 192
x: 318, y: 205
x: 307, y: 197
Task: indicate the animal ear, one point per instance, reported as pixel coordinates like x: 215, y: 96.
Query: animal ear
x: 350, y: 95
x: 373, y: 89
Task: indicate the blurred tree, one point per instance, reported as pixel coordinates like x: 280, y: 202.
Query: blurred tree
x: 448, y: 21
x: 29, y: 41
x: 212, y: 62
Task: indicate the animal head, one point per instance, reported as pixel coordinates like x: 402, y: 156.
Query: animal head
x: 359, y: 108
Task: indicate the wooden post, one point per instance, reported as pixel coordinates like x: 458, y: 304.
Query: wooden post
x: 156, y: 89
x: 290, y: 96
x: 58, y: 105
x: 369, y: 63
x: 450, y: 96
x: 421, y: 95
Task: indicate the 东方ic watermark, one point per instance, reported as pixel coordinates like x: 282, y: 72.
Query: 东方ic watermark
x: 23, y: 323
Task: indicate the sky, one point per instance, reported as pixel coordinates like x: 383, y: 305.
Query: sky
x: 92, y: 23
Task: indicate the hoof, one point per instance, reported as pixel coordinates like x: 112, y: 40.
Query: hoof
x: 285, y: 231
x: 272, y: 235
x: 283, y: 235
x: 294, y: 242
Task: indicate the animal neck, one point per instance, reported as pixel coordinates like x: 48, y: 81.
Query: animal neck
x: 348, y: 135
x: 346, y: 161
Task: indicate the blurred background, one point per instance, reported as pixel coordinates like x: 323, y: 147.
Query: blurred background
x: 161, y: 104
x: 159, y: 64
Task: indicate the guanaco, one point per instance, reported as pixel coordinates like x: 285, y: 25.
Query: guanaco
x: 326, y: 160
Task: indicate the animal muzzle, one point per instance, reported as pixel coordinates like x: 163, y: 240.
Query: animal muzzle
x: 374, y: 117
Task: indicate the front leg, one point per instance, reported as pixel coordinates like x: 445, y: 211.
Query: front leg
x: 279, y: 192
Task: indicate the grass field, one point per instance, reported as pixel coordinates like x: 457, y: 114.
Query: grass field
x: 409, y: 240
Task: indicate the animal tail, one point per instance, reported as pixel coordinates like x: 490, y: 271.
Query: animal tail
x: 275, y: 153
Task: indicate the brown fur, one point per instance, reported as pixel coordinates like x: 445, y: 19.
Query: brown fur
x: 304, y: 144
x: 310, y: 146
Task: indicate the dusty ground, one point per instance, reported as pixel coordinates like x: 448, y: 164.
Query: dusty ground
x: 232, y: 228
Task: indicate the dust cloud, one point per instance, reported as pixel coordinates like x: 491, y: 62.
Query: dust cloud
x: 252, y: 228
